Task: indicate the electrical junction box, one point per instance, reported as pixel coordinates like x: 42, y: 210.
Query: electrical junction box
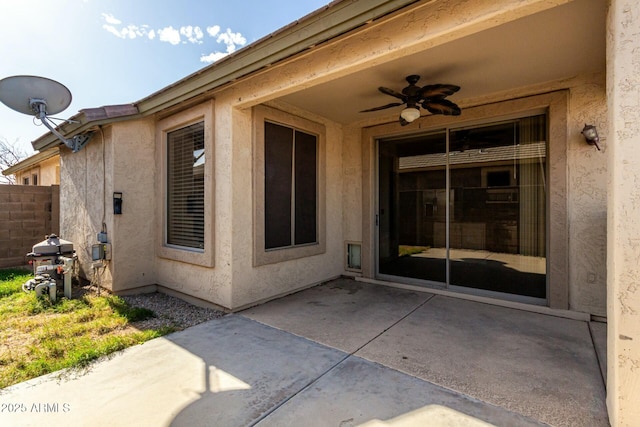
x: 100, y: 251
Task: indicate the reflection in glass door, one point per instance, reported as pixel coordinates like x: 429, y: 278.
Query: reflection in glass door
x: 466, y: 208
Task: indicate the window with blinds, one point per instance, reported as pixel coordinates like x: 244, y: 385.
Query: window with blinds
x: 185, y: 186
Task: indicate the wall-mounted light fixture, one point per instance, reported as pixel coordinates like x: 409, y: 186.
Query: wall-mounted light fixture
x: 591, y: 135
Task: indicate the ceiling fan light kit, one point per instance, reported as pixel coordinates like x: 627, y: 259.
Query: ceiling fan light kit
x: 410, y: 114
x: 430, y: 97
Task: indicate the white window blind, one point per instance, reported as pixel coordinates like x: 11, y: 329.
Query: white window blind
x: 185, y: 186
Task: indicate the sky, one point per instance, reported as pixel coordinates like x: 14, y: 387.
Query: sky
x: 119, y: 51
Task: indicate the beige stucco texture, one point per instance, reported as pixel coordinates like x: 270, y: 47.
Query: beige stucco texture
x: 46, y: 172
x: 623, y: 275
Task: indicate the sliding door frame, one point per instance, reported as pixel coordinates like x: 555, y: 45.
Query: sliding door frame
x: 555, y: 106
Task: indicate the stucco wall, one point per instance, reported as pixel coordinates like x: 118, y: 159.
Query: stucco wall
x: 117, y: 158
x: 184, y: 274
x: 587, y: 204
x: 48, y: 172
x: 352, y: 184
x: 253, y: 284
x: 132, y: 234
x: 623, y: 97
x: 83, y: 199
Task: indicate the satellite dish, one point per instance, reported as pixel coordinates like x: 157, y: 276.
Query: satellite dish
x: 40, y: 97
x: 19, y: 92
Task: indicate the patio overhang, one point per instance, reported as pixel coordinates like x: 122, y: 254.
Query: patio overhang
x: 513, y: 51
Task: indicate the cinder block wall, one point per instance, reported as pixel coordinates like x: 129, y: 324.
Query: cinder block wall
x: 27, y: 215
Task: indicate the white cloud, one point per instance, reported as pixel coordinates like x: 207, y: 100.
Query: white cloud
x: 169, y: 35
x: 193, y: 34
x: 231, y: 39
x: 124, y: 32
x: 128, y: 32
x: 175, y: 36
x: 213, y: 31
x: 110, y: 19
x: 212, y: 57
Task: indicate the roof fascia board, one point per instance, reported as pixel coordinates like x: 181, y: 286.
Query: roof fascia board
x: 83, y: 121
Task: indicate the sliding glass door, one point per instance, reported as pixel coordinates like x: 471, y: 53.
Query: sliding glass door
x: 466, y: 208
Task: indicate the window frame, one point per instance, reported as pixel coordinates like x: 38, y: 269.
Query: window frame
x: 201, y: 113
x: 262, y: 256
x: 180, y: 155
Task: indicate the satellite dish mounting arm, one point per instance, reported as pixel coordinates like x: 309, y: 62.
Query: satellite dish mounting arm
x: 39, y: 106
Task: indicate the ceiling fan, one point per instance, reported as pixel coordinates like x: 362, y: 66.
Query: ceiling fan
x: 430, y: 97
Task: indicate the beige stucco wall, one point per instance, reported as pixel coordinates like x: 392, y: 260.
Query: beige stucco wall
x: 587, y: 204
x: 252, y: 284
x: 205, y: 276
x: 83, y: 199
x: 132, y: 173
x: 623, y: 226
x: 352, y: 171
x: 117, y: 158
x: 48, y: 172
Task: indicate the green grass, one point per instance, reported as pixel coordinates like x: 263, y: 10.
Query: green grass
x: 38, y: 337
x: 11, y: 280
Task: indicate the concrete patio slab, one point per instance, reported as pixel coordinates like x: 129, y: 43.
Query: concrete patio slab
x: 411, y: 359
x: 540, y: 366
x: 361, y: 393
x: 343, y: 313
x: 226, y: 372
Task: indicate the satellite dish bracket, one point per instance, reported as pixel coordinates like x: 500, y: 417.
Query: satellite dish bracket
x: 39, y: 107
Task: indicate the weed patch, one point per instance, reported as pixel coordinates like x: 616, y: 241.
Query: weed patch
x: 11, y: 280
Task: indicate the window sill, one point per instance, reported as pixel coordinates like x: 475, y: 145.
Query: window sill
x: 187, y: 255
x: 273, y: 256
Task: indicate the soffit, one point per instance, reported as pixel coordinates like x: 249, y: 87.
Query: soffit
x: 559, y: 43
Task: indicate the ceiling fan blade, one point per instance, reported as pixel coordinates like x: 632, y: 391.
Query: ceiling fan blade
x: 382, y: 107
x: 392, y: 92
x: 438, y: 90
x: 442, y: 106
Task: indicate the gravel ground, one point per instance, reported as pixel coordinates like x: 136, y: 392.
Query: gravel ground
x: 170, y: 311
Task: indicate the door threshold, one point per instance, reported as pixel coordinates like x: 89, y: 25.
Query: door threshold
x: 567, y: 314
